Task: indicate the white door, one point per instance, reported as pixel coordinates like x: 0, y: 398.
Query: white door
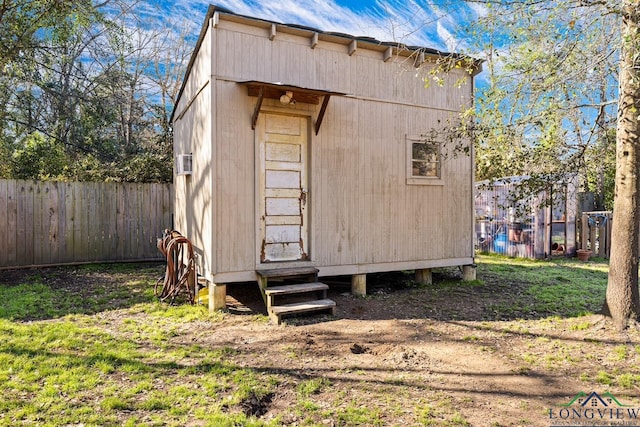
x: 283, y: 187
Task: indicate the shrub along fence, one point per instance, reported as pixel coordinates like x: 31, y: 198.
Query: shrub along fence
x: 53, y: 223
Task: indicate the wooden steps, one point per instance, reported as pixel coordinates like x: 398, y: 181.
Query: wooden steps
x: 289, y: 272
x: 300, y: 292
x: 301, y: 307
x: 297, y: 288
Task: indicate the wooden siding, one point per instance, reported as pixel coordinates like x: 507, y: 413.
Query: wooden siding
x: 195, y: 193
x: 199, y: 76
x: 246, y: 53
x: 48, y: 223
x: 363, y: 211
x: 235, y: 180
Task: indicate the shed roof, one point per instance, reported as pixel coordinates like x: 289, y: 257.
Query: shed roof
x: 335, y: 37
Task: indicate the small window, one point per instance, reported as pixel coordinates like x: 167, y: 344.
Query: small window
x: 424, y: 161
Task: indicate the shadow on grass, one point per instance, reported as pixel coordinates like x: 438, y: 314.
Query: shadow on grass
x: 227, y: 372
x: 506, y: 289
x: 49, y: 293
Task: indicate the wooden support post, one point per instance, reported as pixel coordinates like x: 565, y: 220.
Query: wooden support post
x: 609, y: 221
x: 359, y: 284
x: 584, y: 232
x: 424, y: 276
x: 256, y: 110
x: 192, y: 283
x: 539, y: 246
x: 602, y: 239
x: 217, y: 296
x: 469, y: 272
x: 592, y: 238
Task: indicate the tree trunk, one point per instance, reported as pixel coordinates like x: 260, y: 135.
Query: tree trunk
x: 622, y: 300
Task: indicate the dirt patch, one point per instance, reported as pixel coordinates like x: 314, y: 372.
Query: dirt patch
x: 403, y: 355
x: 491, y: 374
x: 449, y: 344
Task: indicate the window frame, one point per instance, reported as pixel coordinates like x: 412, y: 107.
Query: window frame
x: 422, y: 180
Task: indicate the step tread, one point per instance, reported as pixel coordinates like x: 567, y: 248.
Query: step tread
x: 296, y: 289
x: 287, y: 272
x: 302, y: 307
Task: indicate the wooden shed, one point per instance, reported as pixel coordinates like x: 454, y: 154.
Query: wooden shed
x: 303, y: 153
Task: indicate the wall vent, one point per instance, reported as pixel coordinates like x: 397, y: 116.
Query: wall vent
x: 184, y: 164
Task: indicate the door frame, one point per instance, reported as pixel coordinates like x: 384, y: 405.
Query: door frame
x: 264, y: 111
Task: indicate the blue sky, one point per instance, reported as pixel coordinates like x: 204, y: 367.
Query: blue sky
x: 428, y: 23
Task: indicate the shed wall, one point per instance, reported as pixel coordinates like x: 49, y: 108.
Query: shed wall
x: 193, y: 125
x: 250, y: 55
x: 362, y: 211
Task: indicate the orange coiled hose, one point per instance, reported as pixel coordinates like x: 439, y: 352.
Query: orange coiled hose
x: 178, y: 251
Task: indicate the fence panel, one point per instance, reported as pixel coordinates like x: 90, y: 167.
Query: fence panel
x: 53, y: 223
x: 595, y: 230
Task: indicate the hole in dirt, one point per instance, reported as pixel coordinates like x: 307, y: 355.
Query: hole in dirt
x: 358, y: 349
x: 255, y: 405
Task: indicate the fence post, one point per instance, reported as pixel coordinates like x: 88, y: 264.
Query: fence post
x: 609, y: 224
x: 584, y: 231
x: 602, y: 238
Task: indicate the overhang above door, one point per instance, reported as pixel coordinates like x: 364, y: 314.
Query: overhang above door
x: 288, y: 93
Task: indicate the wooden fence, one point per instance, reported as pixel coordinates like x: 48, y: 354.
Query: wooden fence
x: 595, y: 232
x: 53, y: 223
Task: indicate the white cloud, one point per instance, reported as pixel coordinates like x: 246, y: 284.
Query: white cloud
x: 413, y: 22
x: 449, y: 39
x: 478, y: 8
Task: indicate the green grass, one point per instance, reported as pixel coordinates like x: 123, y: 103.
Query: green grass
x: 561, y: 287
x: 625, y: 380
x: 63, y: 370
x: 60, y: 364
x: 50, y: 297
x: 604, y: 378
x: 313, y: 386
x: 440, y: 413
x: 355, y: 414
x: 619, y: 353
